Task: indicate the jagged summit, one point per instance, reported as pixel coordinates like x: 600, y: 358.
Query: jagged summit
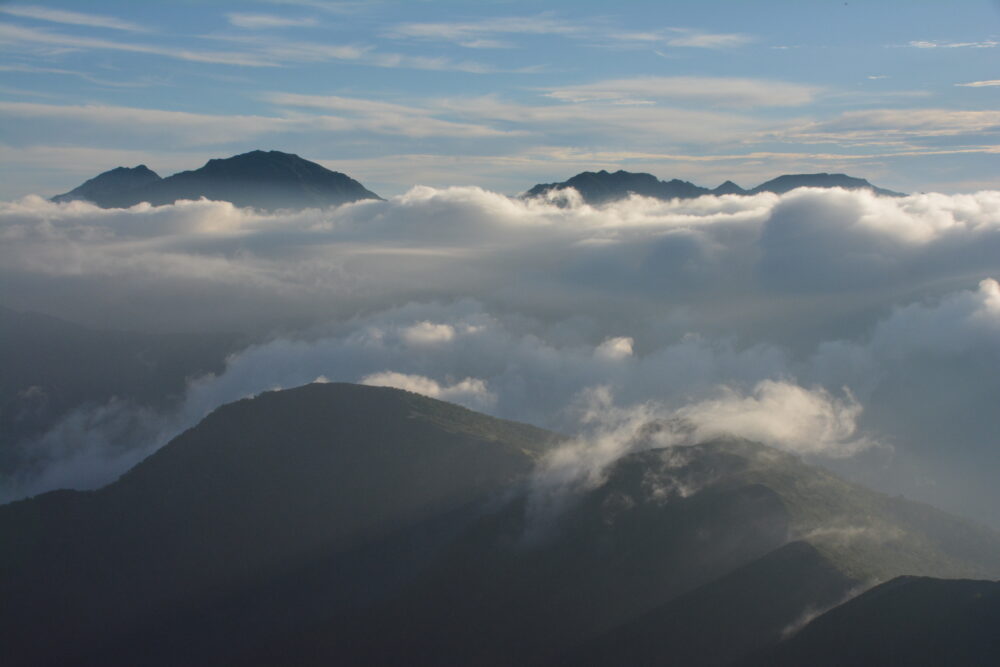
x: 261, y: 179
x: 603, y: 186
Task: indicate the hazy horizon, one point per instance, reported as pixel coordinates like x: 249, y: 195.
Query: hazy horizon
x: 504, y: 95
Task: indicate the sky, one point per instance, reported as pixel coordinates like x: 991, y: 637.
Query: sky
x: 505, y: 94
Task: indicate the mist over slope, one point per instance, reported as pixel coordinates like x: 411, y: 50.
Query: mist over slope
x: 348, y: 524
x: 841, y: 324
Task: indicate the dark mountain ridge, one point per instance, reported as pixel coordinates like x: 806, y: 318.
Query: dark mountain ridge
x: 266, y: 180
x: 914, y: 621
x: 111, y: 184
x: 603, y: 186
x: 345, y: 524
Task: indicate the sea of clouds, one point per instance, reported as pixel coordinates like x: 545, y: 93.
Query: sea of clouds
x: 858, y: 330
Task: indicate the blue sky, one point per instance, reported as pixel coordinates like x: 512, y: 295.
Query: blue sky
x: 505, y: 94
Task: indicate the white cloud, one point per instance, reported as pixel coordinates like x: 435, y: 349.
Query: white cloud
x: 705, y: 40
x: 128, y: 122
x: 30, y: 38
x: 615, y: 349
x: 892, y: 125
x: 470, y: 391
x: 929, y: 44
x: 265, y: 21
x: 773, y: 317
x: 282, y: 50
x: 71, y: 18
x: 783, y: 415
x: 387, y: 118
x: 428, y: 333
x: 714, y: 90
x: 475, y: 34
x: 980, y: 84
x: 120, y: 126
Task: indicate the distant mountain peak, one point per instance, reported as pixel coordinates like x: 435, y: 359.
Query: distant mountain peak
x: 260, y: 179
x: 729, y: 188
x: 109, y: 183
x: 789, y: 182
x: 602, y: 186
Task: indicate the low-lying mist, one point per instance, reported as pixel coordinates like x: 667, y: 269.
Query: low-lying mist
x: 859, y: 330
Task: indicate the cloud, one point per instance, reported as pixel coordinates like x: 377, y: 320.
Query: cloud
x: 715, y: 90
x: 428, y: 333
x: 387, y: 118
x: 71, y: 18
x: 926, y: 44
x: 783, y: 415
x: 476, y: 34
x: 875, y: 126
x: 819, y: 321
x: 481, y: 34
x: 265, y: 21
x: 980, y: 84
x: 33, y: 38
x: 282, y: 51
x: 470, y: 391
x: 687, y: 37
x: 130, y: 122
x: 119, y: 126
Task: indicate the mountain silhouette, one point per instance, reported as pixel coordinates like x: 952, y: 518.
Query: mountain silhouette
x: 111, y: 184
x: 789, y: 182
x: 602, y: 186
x: 265, y: 180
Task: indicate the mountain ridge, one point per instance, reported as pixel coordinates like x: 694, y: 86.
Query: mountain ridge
x: 268, y: 180
x: 602, y: 186
x: 355, y: 524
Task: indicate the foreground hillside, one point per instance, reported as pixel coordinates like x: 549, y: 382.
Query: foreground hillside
x: 343, y: 524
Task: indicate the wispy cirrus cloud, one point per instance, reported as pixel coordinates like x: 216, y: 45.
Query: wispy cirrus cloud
x: 146, y: 81
x: 705, y: 40
x: 23, y: 37
x: 387, y: 118
x: 980, y: 84
x: 482, y: 34
x: 892, y: 125
x: 488, y: 33
x: 673, y: 37
x: 194, y: 129
x: 287, y: 51
x: 331, y: 6
x: 932, y: 44
x: 71, y: 18
x: 723, y: 91
x: 264, y: 21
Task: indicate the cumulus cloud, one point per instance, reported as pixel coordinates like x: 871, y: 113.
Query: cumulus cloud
x: 819, y: 321
x: 784, y: 415
x: 470, y: 391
